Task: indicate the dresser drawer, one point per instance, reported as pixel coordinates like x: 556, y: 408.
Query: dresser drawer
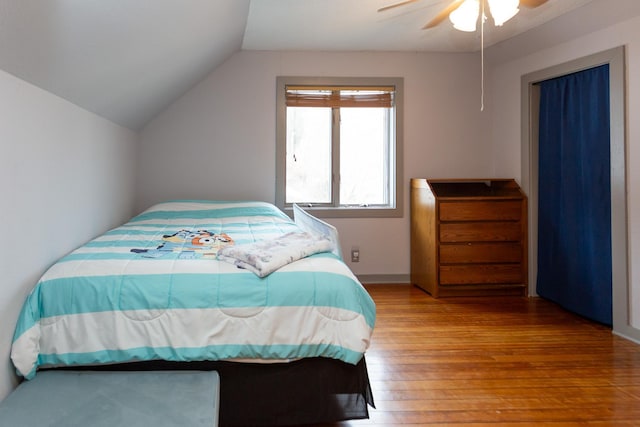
x: 509, y: 210
x: 480, y: 232
x: 470, y: 253
x: 451, y: 275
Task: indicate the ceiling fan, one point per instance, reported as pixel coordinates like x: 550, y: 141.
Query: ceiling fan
x: 464, y: 13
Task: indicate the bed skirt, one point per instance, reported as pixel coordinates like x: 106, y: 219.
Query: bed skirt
x: 307, y: 391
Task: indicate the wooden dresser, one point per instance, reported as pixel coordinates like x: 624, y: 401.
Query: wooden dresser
x: 468, y: 237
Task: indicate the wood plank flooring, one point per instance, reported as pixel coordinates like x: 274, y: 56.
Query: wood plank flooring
x: 490, y: 361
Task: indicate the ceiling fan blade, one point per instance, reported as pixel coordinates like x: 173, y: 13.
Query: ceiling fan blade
x: 532, y: 3
x: 443, y: 14
x: 391, y: 6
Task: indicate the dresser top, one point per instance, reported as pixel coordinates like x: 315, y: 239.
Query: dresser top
x: 472, y: 187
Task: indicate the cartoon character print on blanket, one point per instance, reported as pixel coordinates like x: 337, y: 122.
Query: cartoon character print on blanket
x: 188, y: 244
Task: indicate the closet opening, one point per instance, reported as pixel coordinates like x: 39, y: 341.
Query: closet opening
x: 615, y: 58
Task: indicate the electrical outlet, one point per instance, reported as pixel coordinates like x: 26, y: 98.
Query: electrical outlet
x: 355, y: 255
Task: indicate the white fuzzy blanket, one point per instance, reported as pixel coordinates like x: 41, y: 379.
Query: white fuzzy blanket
x: 266, y: 256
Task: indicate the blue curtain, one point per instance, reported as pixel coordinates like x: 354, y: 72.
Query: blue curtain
x: 574, y: 191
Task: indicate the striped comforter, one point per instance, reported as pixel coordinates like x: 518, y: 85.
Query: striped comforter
x: 152, y: 289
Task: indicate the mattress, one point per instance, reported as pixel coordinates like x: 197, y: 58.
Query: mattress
x: 154, y: 289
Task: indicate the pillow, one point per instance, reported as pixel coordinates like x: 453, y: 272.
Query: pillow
x: 313, y: 225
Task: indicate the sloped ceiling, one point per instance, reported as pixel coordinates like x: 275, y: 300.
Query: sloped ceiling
x: 127, y: 60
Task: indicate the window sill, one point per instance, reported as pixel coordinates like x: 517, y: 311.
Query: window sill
x: 348, y: 212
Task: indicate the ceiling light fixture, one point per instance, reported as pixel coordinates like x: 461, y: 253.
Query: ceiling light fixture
x: 465, y: 16
x: 503, y: 10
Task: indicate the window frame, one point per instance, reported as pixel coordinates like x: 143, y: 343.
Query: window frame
x: 395, y: 210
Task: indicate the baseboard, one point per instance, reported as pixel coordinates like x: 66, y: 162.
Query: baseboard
x: 369, y: 279
x: 630, y: 333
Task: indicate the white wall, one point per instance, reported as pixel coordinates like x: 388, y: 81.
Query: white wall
x: 506, y: 75
x: 66, y: 176
x: 218, y: 141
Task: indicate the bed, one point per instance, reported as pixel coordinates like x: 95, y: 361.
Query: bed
x: 168, y: 290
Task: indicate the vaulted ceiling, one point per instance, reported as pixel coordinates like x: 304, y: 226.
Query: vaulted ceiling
x: 127, y: 60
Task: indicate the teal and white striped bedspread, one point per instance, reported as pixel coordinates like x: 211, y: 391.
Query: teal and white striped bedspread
x: 152, y: 289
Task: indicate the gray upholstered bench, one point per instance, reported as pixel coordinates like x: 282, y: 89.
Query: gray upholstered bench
x: 101, y: 398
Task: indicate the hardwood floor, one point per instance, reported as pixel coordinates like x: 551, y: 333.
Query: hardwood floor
x: 489, y: 361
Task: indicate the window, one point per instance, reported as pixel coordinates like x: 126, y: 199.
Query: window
x: 339, y: 146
